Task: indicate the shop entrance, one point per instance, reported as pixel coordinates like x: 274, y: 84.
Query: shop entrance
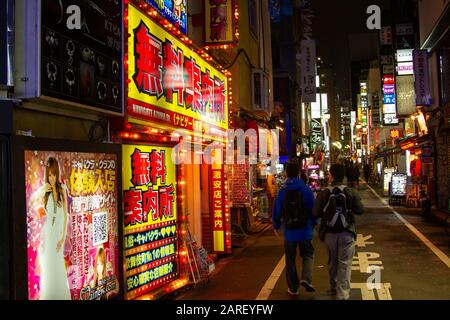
x: 197, y: 201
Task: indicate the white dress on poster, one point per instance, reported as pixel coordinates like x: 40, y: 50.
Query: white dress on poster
x: 54, y: 284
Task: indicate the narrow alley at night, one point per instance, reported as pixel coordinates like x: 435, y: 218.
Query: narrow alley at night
x: 243, y: 156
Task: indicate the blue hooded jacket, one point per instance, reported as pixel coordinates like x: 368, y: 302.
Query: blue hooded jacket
x: 303, y: 234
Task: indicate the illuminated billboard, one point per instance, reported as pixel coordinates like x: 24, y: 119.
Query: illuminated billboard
x: 150, y: 219
x: 175, y: 11
x: 168, y: 82
x: 72, y: 225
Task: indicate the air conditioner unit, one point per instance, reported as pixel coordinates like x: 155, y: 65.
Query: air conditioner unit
x: 260, y: 91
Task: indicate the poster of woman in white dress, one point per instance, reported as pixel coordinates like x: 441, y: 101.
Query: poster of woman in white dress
x: 71, y: 212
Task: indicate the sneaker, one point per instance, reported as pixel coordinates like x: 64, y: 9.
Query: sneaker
x: 308, y: 286
x: 293, y: 293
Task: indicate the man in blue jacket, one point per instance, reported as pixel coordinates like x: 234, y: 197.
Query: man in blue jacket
x: 301, y: 237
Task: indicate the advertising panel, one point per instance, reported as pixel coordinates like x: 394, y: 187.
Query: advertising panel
x: 405, y: 68
x: 219, y: 22
x: 168, y: 82
x: 72, y: 225
x: 175, y: 11
x: 218, y: 208
x: 81, y: 61
x: 406, y: 99
x: 150, y: 219
x: 386, y: 36
x: 398, y: 186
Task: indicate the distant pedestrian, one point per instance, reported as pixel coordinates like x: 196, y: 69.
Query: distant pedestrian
x: 356, y: 175
x: 337, y: 206
x: 292, y: 213
x: 367, y: 171
x: 349, y: 172
x: 271, y: 188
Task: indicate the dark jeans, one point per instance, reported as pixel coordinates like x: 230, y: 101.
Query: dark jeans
x: 307, y: 254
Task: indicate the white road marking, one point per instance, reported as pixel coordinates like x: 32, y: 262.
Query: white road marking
x: 441, y: 255
x: 363, y: 241
x: 367, y: 293
x: 272, y: 280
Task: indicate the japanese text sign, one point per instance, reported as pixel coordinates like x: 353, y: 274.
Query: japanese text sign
x: 150, y: 219
x: 308, y: 63
x: 72, y: 222
x: 219, y: 22
x: 170, y: 83
x: 218, y: 208
x: 421, y: 78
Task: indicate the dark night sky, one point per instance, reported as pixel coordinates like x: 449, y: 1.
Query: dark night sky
x: 334, y: 21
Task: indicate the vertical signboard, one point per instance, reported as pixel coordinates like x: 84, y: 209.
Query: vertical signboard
x: 219, y: 22
x: 406, y: 103
x: 421, y: 78
x: 386, y: 35
x: 175, y: 11
x: 389, y: 99
x: 6, y: 42
x: 218, y: 208
x: 150, y: 219
x: 72, y: 225
x: 308, y: 63
x: 316, y: 133
x: 81, y: 60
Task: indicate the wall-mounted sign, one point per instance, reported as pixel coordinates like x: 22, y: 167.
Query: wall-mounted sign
x: 406, y: 103
x: 390, y: 119
x: 175, y: 11
x: 396, y: 134
x: 218, y: 208
x: 388, y: 79
x: 427, y: 154
x: 389, y: 99
x: 219, y: 22
x: 389, y: 89
x: 405, y: 68
x: 404, y: 55
x: 151, y: 247
x: 308, y: 63
x: 316, y: 133
x: 389, y: 108
x: 168, y: 82
x: 72, y: 223
x: 421, y: 78
x: 83, y: 66
x: 386, y: 36
x: 404, y: 29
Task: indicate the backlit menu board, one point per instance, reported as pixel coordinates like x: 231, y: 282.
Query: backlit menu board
x: 151, y: 248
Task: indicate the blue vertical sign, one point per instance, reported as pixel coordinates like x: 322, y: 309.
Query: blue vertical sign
x: 175, y: 11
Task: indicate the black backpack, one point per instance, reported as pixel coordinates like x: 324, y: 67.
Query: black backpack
x: 294, y: 213
x: 337, y: 213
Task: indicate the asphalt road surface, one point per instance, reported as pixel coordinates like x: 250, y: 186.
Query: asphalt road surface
x: 399, y: 257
